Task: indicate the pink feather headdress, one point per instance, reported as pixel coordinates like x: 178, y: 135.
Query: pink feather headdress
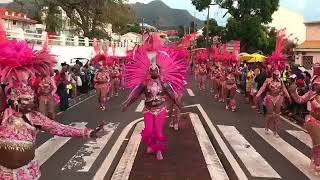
x: 153, y: 41
x: 233, y: 57
x: 216, y: 52
x: 201, y: 54
x: 172, y: 69
x: 278, y: 59
x: 101, y: 57
x: 19, y: 62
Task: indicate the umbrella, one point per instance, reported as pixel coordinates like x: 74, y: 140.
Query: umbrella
x: 252, y: 58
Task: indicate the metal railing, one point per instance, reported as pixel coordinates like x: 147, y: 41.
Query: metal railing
x: 63, y: 40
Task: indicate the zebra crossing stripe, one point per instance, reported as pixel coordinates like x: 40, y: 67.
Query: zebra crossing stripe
x: 47, y: 149
x: 254, y: 162
x: 301, y: 136
x: 140, y: 106
x: 124, y: 167
x: 190, y: 92
x: 297, y: 158
x: 214, y: 165
x: 89, y: 152
x: 104, y: 168
x: 233, y: 162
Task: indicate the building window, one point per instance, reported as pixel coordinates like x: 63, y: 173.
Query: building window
x: 14, y: 22
x: 307, y: 62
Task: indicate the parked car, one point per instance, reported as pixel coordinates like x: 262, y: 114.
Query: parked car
x: 82, y: 60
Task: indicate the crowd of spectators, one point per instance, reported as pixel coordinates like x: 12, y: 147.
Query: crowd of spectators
x: 253, y: 76
x: 72, y: 81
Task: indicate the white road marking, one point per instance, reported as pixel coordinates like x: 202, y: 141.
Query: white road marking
x: 47, y: 149
x: 89, y: 152
x: 140, y: 106
x: 254, y: 162
x: 190, y: 92
x: 214, y: 165
x: 124, y: 167
x: 104, y: 168
x: 86, y: 99
x: 233, y: 162
x: 293, y: 124
x: 297, y: 158
x: 301, y: 136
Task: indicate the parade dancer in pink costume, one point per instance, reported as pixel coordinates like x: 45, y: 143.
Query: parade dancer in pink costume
x: 202, y: 75
x: 230, y: 89
x: 174, y: 110
x: 46, y: 89
x: 20, y: 123
x: 312, y: 121
x: 230, y: 85
x: 154, y: 74
x: 115, y: 78
x: 276, y: 90
x: 48, y: 97
x: 102, y: 76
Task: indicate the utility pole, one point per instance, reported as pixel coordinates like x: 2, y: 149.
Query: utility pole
x: 207, y: 34
x: 142, y: 29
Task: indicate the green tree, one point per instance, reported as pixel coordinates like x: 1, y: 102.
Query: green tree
x: 135, y: 28
x: 214, y: 28
x: 180, y: 31
x: 54, y: 19
x: 246, y: 22
x: 193, y: 27
x: 89, y: 17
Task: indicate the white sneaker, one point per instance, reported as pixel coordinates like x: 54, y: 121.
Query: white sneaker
x: 176, y: 127
x: 159, y: 155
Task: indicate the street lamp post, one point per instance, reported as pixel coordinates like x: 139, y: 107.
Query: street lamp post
x: 207, y: 34
x: 208, y: 17
x: 142, y: 29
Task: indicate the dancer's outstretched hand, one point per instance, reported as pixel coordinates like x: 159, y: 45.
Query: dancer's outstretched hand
x: 99, y: 131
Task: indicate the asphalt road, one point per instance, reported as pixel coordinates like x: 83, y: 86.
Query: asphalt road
x: 244, y: 149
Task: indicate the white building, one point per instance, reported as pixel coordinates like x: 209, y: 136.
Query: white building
x: 131, y: 38
x: 292, y: 21
x: 15, y: 20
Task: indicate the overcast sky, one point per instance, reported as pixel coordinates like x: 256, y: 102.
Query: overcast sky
x: 309, y: 8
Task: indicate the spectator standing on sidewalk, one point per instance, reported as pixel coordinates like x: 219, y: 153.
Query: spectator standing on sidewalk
x: 260, y: 79
x: 61, y: 82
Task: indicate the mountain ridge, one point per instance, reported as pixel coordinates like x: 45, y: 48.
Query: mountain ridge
x: 160, y: 15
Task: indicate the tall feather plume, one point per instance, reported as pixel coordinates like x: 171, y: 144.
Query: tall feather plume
x: 137, y: 70
x: 3, y: 36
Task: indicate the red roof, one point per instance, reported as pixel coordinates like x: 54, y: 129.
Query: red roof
x: 17, y: 16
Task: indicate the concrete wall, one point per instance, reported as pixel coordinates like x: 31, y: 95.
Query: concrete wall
x: 66, y: 53
x: 313, y: 32
x: 292, y: 21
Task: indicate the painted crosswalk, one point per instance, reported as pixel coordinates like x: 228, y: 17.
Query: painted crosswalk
x: 140, y: 106
x: 250, y: 160
x: 88, y: 153
x: 301, y: 136
x: 298, y: 159
x: 46, y: 150
x: 124, y: 167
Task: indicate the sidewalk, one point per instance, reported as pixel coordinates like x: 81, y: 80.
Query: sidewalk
x: 183, y: 159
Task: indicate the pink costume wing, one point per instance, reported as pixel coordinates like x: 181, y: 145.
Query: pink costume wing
x: 3, y: 36
x: 137, y: 70
x: 172, y: 69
